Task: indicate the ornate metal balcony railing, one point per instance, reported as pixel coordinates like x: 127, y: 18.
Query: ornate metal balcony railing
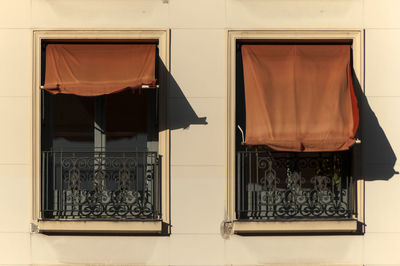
x: 101, y: 186
x: 281, y: 185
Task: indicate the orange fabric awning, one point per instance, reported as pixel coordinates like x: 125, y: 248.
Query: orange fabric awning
x: 299, y: 97
x: 98, y: 69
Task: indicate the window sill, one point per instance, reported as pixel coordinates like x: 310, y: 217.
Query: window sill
x: 100, y: 227
x: 296, y: 227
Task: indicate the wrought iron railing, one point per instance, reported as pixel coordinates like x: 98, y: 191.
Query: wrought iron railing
x: 101, y: 186
x: 281, y: 185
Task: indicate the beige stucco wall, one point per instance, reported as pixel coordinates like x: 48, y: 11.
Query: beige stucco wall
x: 198, y: 153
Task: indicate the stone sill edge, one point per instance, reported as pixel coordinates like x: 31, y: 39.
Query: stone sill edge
x: 252, y: 227
x: 118, y: 227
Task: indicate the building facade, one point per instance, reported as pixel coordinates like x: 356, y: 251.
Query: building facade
x: 197, y: 212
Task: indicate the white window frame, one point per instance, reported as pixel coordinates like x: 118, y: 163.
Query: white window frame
x: 356, y: 225
x: 162, y: 37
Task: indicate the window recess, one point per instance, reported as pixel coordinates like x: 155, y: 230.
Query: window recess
x: 295, y: 123
x: 101, y: 150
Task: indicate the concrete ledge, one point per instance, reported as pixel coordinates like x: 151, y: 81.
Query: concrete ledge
x: 254, y: 227
x: 118, y: 227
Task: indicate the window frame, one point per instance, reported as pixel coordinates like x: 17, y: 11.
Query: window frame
x: 131, y: 227
x: 355, y: 225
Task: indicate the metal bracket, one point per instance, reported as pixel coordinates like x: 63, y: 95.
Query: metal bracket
x: 226, y: 229
x: 34, y: 228
x: 241, y: 131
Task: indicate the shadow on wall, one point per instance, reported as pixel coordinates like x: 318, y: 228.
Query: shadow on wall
x: 180, y: 113
x: 378, y: 157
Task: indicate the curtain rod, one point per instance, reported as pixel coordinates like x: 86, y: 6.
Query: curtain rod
x: 143, y: 87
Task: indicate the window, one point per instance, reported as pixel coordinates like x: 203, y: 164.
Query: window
x: 279, y: 180
x: 101, y: 160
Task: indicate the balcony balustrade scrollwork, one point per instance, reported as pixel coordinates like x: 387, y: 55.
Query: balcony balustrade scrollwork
x: 280, y: 186
x: 101, y: 185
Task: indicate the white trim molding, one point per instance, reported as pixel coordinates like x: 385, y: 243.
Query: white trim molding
x: 242, y: 227
x: 161, y: 36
